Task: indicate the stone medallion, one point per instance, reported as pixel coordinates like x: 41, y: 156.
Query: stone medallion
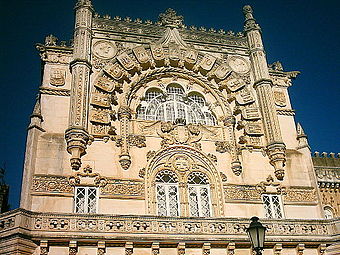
x: 104, y: 49
x: 238, y: 64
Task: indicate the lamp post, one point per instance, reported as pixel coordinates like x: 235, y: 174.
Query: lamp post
x: 256, y: 233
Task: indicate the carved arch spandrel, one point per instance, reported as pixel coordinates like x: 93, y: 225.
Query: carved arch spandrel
x: 198, y: 162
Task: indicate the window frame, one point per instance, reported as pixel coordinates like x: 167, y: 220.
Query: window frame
x: 167, y: 200
x: 86, y: 204
x: 198, y: 188
x: 272, y: 206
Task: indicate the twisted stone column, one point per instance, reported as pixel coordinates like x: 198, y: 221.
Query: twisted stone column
x: 77, y: 135
x: 263, y: 86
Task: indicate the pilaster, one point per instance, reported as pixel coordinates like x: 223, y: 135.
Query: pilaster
x: 76, y: 135
x: 263, y: 86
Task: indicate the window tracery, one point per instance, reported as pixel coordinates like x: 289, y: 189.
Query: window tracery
x: 175, y: 104
x: 167, y: 193
x: 199, y: 195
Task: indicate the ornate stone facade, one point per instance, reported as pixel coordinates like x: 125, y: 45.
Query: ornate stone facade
x: 161, y: 147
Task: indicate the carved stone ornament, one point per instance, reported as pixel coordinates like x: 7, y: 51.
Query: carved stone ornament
x: 141, y: 55
x: 223, y: 177
x: 270, y: 186
x: 245, y: 96
x: 280, y: 98
x: 106, y: 84
x: 87, y: 178
x: 223, y: 146
x: 179, y: 133
x: 250, y: 113
x: 100, y: 99
x: 57, y: 77
x: 233, y: 82
x: 100, y: 116
x: 253, y: 128
x: 171, y: 19
x: 238, y: 64
x: 104, y: 49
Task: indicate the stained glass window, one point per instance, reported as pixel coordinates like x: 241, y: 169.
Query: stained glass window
x: 272, y: 206
x: 85, y: 200
x: 199, y: 195
x: 175, y: 104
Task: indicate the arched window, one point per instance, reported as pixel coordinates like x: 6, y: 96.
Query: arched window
x: 167, y: 193
x: 199, y: 195
x: 175, y: 104
x: 328, y: 212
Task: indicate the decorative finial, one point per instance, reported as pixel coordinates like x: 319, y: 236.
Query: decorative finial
x: 248, y: 12
x: 171, y: 19
x: 83, y: 3
x: 250, y: 22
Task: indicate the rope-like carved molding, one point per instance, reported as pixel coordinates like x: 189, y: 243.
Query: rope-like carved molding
x: 286, y: 112
x: 246, y: 193
x: 115, y: 188
x: 55, y: 92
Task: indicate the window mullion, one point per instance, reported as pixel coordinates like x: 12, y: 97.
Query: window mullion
x: 199, y: 200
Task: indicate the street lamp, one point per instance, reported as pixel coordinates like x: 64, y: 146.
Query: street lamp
x: 256, y: 233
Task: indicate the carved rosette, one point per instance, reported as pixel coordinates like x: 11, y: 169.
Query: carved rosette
x: 76, y: 139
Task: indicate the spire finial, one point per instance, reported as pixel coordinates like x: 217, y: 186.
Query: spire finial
x: 248, y: 12
x: 250, y: 22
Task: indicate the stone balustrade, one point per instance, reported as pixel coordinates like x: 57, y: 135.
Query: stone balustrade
x: 53, y: 225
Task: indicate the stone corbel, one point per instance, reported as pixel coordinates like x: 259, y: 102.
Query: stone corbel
x: 155, y: 248
x: 73, y: 248
x: 231, y: 249
x: 300, y: 248
x: 128, y: 248
x: 124, y: 116
x: 181, y: 249
x: 322, y: 249
x: 43, y: 247
x: 76, y: 139
x: 101, y: 248
x: 206, y: 249
x: 277, y: 249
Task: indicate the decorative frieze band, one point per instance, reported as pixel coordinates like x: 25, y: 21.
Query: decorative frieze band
x: 245, y: 193
x: 115, y: 188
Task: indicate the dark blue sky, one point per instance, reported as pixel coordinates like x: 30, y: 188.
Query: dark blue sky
x: 303, y: 35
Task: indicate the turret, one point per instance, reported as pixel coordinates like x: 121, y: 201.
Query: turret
x: 263, y: 86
